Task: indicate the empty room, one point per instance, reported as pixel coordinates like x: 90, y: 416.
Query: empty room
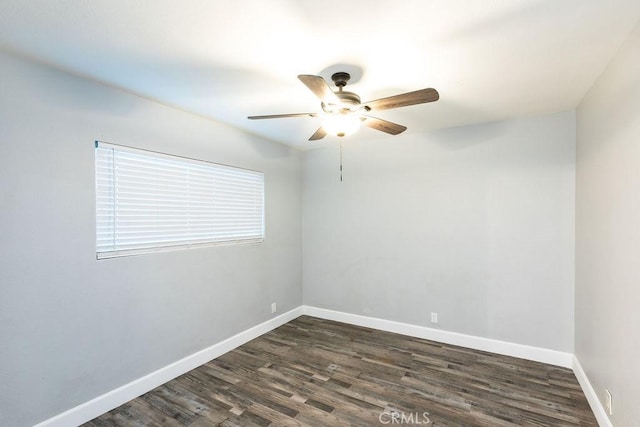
x: 301, y: 213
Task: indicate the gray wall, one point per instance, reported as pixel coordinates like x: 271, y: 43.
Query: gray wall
x: 72, y: 327
x: 608, y: 233
x: 475, y: 223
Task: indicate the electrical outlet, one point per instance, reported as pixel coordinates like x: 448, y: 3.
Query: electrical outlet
x: 609, y: 402
x: 434, y: 317
x: 273, y: 307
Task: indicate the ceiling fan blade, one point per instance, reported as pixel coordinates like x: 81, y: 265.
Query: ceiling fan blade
x: 320, y: 88
x: 280, y: 116
x: 403, y: 100
x: 383, y: 125
x: 319, y: 134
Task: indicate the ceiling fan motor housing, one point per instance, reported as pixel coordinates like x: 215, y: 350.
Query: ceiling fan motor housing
x: 347, y: 100
x: 340, y: 78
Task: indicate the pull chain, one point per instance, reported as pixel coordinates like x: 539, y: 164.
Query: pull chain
x: 340, y: 160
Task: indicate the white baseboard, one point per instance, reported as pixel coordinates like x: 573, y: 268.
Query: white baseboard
x: 537, y: 354
x: 552, y: 357
x: 112, y: 399
x: 596, y: 405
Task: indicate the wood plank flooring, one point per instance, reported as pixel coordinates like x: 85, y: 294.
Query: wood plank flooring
x: 313, y: 372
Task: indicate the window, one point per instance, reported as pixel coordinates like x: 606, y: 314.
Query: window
x: 149, y: 202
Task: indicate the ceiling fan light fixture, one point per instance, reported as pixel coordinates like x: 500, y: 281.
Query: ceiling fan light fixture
x: 341, y: 124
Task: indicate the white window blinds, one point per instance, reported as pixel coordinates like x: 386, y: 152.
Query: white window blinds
x: 147, y: 202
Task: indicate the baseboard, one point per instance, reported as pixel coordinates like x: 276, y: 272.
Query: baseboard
x: 537, y: 354
x: 112, y: 399
x: 592, y: 397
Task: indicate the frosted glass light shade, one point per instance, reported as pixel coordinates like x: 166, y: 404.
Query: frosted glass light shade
x: 341, y: 124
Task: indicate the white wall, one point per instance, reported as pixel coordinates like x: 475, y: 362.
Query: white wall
x: 608, y: 233
x: 72, y: 327
x: 475, y: 223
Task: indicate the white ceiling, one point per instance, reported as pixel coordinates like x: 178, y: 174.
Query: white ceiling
x: 489, y: 59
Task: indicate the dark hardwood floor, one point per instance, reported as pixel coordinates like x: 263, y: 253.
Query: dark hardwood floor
x: 313, y: 372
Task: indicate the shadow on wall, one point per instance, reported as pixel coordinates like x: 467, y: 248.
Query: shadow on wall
x: 75, y: 94
x: 459, y: 138
x: 617, y: 109
x: 208, y: 89
x: 268, y: 149
x: 63, y: 91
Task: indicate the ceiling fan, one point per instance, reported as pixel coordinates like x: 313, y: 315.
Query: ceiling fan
x: 342, y: 111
